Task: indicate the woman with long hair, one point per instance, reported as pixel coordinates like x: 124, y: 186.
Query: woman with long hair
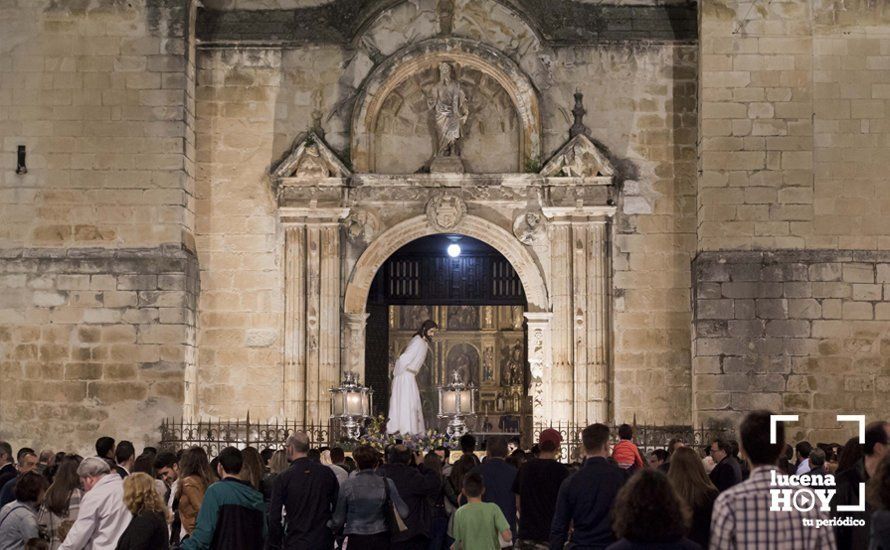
x: 252, y: 469
x: 688, y: 478
x: 454, y: 483
x: 850, y: 454
x: 62, y: 501
x: 195, y: 476
x: 648, y: 512
x: 148, y: 528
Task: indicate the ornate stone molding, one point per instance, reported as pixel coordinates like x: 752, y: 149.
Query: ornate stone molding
x: 540, y: 364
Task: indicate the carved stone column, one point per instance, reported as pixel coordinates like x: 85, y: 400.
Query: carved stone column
x: 312, y: 311
x: 582, y: 310
x: 540, y: 367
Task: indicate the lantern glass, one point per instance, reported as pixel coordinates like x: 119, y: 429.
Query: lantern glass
x: 449, y: 402
x: 466, y: 401
x: 354, y: 403
x: 337, y: 404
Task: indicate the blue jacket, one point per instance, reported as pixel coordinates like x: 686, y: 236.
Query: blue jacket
x: 360, y: 504
x: 585, y: 500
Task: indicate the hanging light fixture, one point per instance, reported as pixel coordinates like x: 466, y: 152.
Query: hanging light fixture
x: 453, y: 249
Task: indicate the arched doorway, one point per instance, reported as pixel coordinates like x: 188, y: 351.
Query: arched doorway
x: 476, y: 297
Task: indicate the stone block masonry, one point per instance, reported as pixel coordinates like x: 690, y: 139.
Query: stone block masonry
x: 803, y: 332
x: 94, y: 342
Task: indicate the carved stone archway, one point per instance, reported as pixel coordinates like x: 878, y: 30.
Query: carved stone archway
x: 404, y: 64
x: 373, y: 258
x: 419, y: 226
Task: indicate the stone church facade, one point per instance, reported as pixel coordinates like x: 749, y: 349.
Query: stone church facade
x: 691, y: 193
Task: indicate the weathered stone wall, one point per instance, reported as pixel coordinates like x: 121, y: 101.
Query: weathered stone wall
x: 97, y: 92
x: 93, y: 342
x: 97, y: 298
x: 794, y: 124
x: 240, y: 243
x: 794, y: 130
x: 798, y: 331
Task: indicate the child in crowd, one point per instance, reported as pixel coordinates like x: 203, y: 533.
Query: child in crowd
x: 476, y: 524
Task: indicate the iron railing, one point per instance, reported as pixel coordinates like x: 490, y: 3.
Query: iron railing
x: 646, y: 437
x: 215, y: 435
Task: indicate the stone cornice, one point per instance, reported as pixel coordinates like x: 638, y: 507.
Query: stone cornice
x: 557, y: 22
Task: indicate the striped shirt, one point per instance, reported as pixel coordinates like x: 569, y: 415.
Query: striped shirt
x: 743, y: 520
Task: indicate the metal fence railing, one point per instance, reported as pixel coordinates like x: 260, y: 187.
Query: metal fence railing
x: 214, y: 435
x: 646, y: 437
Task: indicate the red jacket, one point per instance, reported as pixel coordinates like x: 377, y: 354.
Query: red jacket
x: 626, y: 454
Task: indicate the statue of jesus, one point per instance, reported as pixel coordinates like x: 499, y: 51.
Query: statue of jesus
x: 449, y: 105
x: 405, y: 409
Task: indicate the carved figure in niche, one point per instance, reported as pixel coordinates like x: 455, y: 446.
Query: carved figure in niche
x: 449, y: 106
x: 529, y: 226
x: 463, y: 359
x: 463, y: 318
x: 488, y: 365
x: 511, y: 371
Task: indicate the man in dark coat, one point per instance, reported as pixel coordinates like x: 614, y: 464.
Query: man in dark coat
x: 308, y: 492
x: 586, y: 498
x: 7, y: 468
x: 416, y: 486
x: 877, y: 435
x: 728, y: 471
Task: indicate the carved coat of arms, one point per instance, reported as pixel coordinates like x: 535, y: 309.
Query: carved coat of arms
x: 445, y: 211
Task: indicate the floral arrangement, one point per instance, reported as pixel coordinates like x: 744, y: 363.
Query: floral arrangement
x: 376, y: 437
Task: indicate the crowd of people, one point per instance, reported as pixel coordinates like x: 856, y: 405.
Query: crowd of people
x: 720, y: 497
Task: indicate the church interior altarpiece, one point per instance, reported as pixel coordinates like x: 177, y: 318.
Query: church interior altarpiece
x: 485, y: 345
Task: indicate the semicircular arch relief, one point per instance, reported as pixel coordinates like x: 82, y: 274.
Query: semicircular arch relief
x: 408, y: 63
x: 384, y: 246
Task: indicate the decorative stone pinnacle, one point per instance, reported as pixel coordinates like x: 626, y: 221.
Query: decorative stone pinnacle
x: 578, y: 113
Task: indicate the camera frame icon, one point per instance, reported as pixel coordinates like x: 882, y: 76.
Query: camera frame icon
x: 774, y: 419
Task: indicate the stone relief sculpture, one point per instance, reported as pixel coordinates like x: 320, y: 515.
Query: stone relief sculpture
x: 361, y: 227
x: 529, y: 226
x: 445, y: 211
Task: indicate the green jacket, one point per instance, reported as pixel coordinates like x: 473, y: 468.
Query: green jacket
x: 232, y: 517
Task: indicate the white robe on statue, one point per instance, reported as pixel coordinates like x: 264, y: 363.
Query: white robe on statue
x: 405, y: 411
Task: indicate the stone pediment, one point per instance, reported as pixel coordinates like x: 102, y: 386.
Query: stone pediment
x: 311, y: 158
x: 579, y: 157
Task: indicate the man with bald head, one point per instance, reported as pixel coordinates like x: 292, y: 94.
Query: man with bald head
x: 308, y: 492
